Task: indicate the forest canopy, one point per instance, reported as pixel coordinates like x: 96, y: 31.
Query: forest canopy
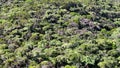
x: 59, y: 33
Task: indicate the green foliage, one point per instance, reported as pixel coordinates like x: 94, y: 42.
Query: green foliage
x: 107, y: 62
x: 68, y: 66
x: 59, y: 34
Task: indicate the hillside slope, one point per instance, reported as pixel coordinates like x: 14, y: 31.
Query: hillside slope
x: 59, y: 34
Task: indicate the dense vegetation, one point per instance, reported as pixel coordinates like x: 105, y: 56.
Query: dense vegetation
x: 59, y: 34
